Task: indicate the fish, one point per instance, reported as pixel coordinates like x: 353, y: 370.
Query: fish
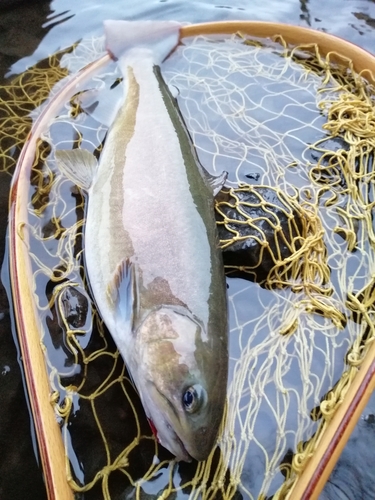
x: 151, y: 247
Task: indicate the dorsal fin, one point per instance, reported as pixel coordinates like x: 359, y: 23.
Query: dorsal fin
x: 216, y: 182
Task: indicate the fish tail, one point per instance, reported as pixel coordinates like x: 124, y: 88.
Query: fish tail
x: 160, y: 37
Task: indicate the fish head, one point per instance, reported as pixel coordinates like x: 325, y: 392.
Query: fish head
x: 181, y: 381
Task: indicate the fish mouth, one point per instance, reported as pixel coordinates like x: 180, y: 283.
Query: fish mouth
x: 185, y: 456
x: 171, y: 440
x: 179, y: 451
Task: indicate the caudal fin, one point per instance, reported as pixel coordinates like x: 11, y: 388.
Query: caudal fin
x: 159, y: 36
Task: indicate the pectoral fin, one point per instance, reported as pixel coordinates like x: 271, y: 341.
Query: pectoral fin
x: 123, y: 292
x: 78, y: 165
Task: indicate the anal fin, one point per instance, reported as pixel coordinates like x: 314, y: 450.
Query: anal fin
x: 78, y: 165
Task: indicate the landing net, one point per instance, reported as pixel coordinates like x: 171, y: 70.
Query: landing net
x: 296, y: 133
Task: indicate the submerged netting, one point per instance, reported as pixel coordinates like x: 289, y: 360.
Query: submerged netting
x: 295, y: 133
x: 18, y: 100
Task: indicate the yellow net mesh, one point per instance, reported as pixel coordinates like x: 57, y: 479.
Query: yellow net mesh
x: 299, y: 128
x: 18, y: 100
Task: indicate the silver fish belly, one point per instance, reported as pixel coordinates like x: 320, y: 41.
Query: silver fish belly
x: 154, y: 264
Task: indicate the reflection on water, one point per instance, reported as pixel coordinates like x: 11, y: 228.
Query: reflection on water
x: 21, y: 30
x: 19, y: 470
x: 67, y: 23
x: 352, y: 20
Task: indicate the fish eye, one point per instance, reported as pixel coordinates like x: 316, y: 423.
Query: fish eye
x: 193, y: 398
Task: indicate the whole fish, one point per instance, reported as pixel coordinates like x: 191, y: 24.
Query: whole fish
x: 151, y: 247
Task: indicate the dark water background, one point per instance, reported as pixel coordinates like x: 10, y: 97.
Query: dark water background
x: 29, y: 32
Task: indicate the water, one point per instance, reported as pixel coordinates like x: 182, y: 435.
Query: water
x: 27, y: 35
